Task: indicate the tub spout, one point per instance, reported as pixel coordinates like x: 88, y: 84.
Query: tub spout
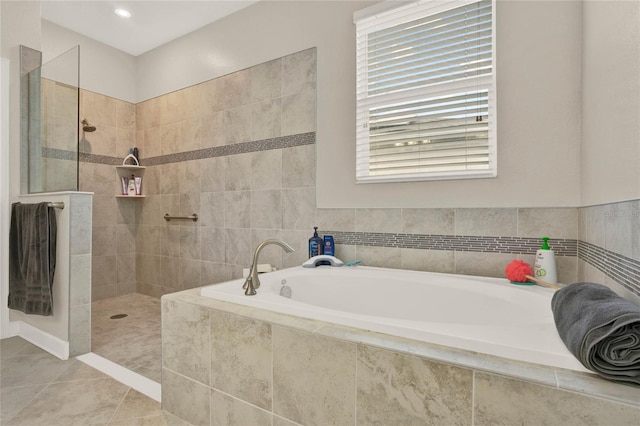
x: 252, y: 282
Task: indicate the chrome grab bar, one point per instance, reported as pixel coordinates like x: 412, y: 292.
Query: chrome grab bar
x: 193, y: 217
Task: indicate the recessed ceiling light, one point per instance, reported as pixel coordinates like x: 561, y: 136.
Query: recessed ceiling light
x: 123, y: 13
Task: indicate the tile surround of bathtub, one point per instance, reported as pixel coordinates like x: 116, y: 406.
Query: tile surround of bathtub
x: 363, y: 377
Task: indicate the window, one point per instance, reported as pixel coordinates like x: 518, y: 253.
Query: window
x: 425, y: 91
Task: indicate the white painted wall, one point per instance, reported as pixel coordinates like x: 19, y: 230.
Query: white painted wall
x: 5, y: 205
x: 103, y: 69
x: 611, y: 108
x: 538, y: 96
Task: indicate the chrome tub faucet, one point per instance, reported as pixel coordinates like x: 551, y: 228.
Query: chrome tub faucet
x: 252, y: 282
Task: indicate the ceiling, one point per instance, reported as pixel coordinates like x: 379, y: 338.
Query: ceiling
x: 152, y: 22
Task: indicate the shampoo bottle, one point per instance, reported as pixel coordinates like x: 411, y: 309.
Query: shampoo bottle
x: 329, y: 246
x: 131, y: 188
x: 545, y: 264
x: 315, y: 243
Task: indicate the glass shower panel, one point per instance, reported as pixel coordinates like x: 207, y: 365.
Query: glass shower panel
x: 53, y: 124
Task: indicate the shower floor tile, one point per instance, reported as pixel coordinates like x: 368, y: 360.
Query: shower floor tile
x: 133, y: 341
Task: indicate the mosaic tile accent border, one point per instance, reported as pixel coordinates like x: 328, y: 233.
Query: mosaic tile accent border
x: 100, y: 159
x: 624, y: 270
x: 219, y: 151
x: 514, y: 245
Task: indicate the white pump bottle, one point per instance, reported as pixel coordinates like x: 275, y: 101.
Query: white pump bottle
x: 545, y: 264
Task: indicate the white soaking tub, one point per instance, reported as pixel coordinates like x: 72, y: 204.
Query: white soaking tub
x: 479, y: 314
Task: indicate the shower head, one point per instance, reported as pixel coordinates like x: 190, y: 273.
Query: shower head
x: 86, y: 127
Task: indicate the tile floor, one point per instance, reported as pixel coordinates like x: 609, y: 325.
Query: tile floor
x: 134, y: 342
x: 39, y: 389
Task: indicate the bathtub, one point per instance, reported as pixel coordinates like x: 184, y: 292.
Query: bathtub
x: 478, y: 314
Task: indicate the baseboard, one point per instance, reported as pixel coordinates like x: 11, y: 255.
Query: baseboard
x: 45, y: 341
x: 134, y: 380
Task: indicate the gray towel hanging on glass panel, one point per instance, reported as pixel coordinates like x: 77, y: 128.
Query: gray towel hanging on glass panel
x: 32, y: 258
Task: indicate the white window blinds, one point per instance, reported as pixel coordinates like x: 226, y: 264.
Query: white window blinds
x: 425, y: 92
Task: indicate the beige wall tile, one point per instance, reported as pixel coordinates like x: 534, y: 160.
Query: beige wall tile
x: 488, y: 222
x: 299, y: 166
x: 232, y: 412
x: 173, y: 107
x: 80, y: 280
x: 189, y: 242
x: 241, y: 358
x: 266, y: 209
x: 402, y: 389
x: 382, y: 257
x: 189, y: 176
x: 212, y: 209
x: 299, y: 72
x: 237, y: 125
x: 298, y: 113
x: 548, y: 222
x: 189, y: 273
x: 336, y: 219
x: 236, y: 89
x: 237, y: 209
x: 428, y: 221
x: 104, y: 240
x: 213, y: 273
x: 486, y: 264
x: 237, y: 246
x: 301, y: 358
x: 186, y: 340
x: 506, y: 401
x: 80, y: 229
x: 185, y: 398
x: 237, y: 172
x: 212, y: 174
x: 171, y: 137
x: 211, y: 96
x: 266, y: 169
x: 126, y: 268
x: 378, y: 220
x: 428, y: 260
x: 299, y: 209
x: 265, y: 81
x: 79, y: 329
x: 212, y: 244
x: 265, y: 119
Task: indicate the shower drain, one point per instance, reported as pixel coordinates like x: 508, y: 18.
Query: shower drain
x: 118, y: 316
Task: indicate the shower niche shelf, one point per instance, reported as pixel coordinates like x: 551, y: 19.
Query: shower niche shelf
x: 127, y: 171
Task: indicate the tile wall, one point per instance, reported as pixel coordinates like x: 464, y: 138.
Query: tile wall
x: 609, y: 246
x: 80, y: 206
x: 114, y: 227
x: 240, y: 152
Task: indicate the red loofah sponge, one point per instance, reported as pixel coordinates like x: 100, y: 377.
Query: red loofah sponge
x: 518, y: 271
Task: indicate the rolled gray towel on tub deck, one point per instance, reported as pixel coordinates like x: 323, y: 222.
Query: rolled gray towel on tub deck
x: 601, y: 329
